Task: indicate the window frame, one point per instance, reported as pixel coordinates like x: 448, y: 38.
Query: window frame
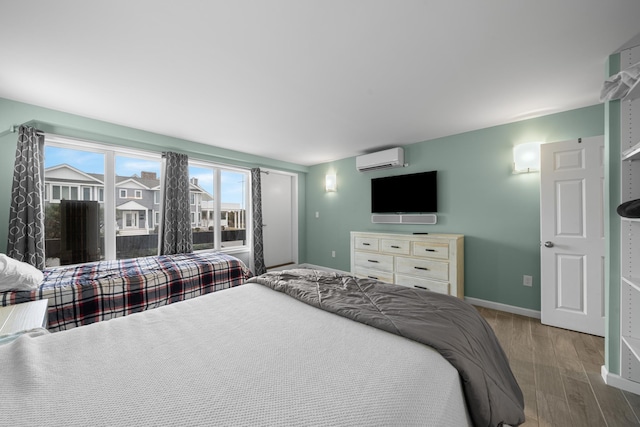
x: 84, y: 189
x: 107, y: 194
x: 217, y: 169
x: 60, y: 192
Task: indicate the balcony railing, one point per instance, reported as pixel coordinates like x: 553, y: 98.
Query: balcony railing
x: 147, y: 244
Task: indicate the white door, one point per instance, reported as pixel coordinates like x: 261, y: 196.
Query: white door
x: 278, y: 220
x: 572, y: 234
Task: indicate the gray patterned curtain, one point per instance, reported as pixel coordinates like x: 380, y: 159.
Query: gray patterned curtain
x: 26, y: 215
x: 175, y: 227
x: 256, y: 209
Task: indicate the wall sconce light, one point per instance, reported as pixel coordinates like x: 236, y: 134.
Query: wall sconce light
x: 330, y: 183
x: 526, y: 157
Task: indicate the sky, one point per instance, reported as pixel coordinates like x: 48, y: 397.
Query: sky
x: 90, y: 162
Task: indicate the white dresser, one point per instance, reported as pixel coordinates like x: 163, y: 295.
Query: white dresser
x: 426, y: 261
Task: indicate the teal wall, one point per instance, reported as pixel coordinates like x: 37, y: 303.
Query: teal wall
x: 497, y: 211
x: 56, y: 122
x: 612, y: 226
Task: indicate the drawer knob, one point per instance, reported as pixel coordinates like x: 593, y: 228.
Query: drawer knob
x: 372, y: 277
x: 430, y: 250
x: 395, y: 247
x: 366, y: 244
x: 373, y: 260
x: 421, y: 268
x: 420, y: 287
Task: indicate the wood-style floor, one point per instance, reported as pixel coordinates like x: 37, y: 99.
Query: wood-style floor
x: 559, y: 374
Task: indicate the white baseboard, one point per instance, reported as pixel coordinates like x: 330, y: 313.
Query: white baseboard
x: 503, y: 307
x: 319, y: 267
x: 617, y: 381
x: 305, y: 265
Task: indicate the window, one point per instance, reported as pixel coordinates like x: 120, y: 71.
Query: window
x: 86, y: 193
x: 230, y: 221
x: 136, y: 236
x: 234, y: 190
x: 64, y: 192
x: 128, y: 226
x: 81, y: 218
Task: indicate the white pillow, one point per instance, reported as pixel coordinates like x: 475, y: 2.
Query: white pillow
x: 17, y: 275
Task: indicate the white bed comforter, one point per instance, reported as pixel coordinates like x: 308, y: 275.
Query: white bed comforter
x: 243, y: 356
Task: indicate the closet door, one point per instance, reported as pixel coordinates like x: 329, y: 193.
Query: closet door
x: 572, y: 234
x: 279, y: 219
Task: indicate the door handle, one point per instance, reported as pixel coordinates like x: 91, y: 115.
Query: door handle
x: 548, y: 244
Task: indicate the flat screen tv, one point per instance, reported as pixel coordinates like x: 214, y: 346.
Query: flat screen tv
x: 411, y: 193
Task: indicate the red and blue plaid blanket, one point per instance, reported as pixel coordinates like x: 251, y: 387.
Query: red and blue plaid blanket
x: 87, y: 293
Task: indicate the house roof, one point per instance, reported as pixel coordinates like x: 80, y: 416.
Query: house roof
x: 131, y: 206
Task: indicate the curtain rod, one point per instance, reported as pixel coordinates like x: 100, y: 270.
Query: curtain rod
x: 14, y: 128
x: 84, y: 135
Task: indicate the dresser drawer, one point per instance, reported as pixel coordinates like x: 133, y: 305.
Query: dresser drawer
x: 373, y: 274
x: 422, y: 268
x: 400, y: 247
x: 416, y: 282
x: 367, y: 243
x: 374, y: 261
x: 431, y: 261
x: 430, y: 250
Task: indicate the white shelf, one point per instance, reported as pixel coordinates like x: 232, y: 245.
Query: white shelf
x: 633, y: 282
x: 622, y: 218
x: 633, y: 344
x: 632, y: 153
x: 629, y: 238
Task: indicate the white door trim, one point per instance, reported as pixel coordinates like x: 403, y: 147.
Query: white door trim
x: 294, y: 209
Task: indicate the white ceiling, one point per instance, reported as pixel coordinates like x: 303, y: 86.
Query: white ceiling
x: 310, y: 81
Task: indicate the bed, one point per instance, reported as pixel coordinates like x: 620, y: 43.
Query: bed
x: 258, y: 355
x: 87, y: 293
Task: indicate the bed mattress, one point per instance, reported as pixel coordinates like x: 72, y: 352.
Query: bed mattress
x: 242, y: 356
x: 87, y: 293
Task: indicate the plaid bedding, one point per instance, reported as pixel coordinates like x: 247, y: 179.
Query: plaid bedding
x: 83, y: 294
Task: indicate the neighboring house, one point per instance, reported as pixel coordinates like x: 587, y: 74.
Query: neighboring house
x: 137, y: 199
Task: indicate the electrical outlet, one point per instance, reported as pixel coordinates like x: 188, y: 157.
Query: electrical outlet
x: 333, y: 254
x: 317, y: 214
x: 527, y: 280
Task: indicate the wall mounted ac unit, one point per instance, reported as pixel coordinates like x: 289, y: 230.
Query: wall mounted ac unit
x: 391, y: 158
